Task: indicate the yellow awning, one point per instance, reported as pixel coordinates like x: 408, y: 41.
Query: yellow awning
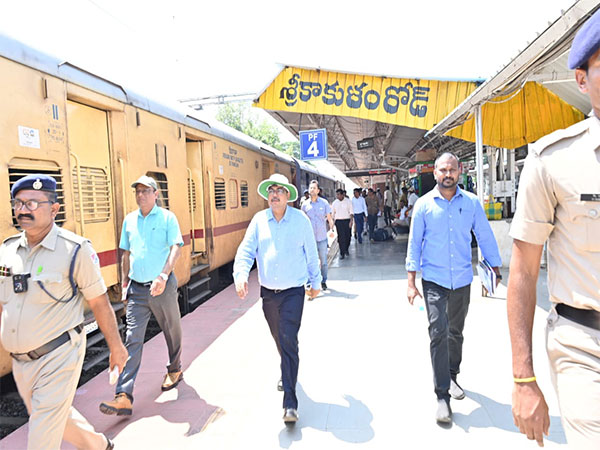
x: 414, y: 103
x: 518, y: 119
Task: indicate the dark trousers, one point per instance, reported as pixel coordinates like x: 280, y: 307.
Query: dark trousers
x: 343, y: 230
x: 166, y: 310
x: 372, y: 221
x: 283, y: 311
x: 446, y: 311
x: 387, y: 214
x: 359, y: 220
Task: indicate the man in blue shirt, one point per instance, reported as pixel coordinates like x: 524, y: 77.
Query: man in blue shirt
x: 150, y: 240
x: 440, y: 247
x: 319, y: 212
x: 281, y: 240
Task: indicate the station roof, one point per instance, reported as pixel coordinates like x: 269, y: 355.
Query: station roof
x: 389, y: 115
x: 533, y: 95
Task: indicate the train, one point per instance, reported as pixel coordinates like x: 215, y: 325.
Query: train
x: 96, y: 137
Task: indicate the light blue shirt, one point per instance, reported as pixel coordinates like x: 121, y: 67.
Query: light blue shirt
x: 149, y: 240
x: 317, y: 213
x: 285, y: 251
x: 359, y: 206
x: 439, y: 243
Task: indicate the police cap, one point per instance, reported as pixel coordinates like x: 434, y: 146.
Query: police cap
x: 36, y: 182
x: 586, y: 42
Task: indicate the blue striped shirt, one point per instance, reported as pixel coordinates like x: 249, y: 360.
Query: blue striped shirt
x: 285, y: 251
x: 439, y: 243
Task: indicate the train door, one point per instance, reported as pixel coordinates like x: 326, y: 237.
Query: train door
x: 91, y: 180
x: 196, y: 189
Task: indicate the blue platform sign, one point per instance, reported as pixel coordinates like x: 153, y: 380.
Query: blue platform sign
x: 313, y: 144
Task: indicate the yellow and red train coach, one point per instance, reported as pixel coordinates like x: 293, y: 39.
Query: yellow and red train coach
x: 96, y: 137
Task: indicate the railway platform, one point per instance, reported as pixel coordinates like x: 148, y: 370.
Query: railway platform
x: 365, y: 376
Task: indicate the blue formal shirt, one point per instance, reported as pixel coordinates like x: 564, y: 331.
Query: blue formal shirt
x: 285, y: 251
x: 317, y: 213
x: 149, y: 240
x: 439, y: 243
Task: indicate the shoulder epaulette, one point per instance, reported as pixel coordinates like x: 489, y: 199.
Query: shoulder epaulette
x: 14, y: 236
x: 547, y: 141
x: 70, y: 236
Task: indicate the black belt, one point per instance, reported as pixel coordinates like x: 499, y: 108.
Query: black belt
x: 146, y: 284
x: 46, y: 348
x: 278, y: 291
x: 586, y: 317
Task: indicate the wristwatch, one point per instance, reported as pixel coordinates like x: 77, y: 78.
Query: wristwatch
x: 164, y: 276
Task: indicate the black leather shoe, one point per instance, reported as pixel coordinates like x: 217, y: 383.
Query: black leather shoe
x: 280, y: 385
x: 456, y: 392
x: 342, y: 256
x: 443, y: 413
x: 323, y: 286
x: 290, y: 415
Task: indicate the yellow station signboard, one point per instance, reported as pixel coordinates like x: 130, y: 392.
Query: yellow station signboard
x: 414, y: 103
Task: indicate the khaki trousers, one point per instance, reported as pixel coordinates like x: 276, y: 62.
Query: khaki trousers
x: 574, y: 354
x: 47, y: 386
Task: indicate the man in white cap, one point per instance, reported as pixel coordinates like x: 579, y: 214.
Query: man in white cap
x: 150, y: 240
x: 281, y: 240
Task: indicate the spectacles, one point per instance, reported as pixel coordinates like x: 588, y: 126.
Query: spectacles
x: 279, y: 191
x: 31, y: 205
x: 146, y: 191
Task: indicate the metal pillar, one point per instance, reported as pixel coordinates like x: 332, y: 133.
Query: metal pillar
x: 479, y: 153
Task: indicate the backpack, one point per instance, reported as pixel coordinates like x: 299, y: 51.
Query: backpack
x: 381, y: 234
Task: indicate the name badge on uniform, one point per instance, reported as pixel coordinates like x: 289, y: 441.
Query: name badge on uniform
x: 590, y: 197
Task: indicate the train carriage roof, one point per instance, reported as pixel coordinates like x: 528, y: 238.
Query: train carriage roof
x: 17, y: 51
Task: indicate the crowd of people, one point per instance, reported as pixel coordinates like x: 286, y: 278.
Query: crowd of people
x: 46, y: 272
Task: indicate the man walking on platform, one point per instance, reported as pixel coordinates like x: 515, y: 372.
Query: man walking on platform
x: 359, y: 209
x: 412, y: 199
x: 439, y: 245
x: 319, y: 213
x: 342, y: 217
x: 559, y: 203
x: 150, y: 240
x: 45, y: 274
x: 388, y: 202
x: 281, y: 240
x: 373, y: 210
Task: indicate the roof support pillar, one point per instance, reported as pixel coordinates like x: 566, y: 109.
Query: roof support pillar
x: 479, y: 152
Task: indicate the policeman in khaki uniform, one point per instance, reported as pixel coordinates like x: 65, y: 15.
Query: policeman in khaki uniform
x: 45, y: 273
x: 559, y: 201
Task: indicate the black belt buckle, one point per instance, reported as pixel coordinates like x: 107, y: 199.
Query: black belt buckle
x: 46, y: 348
x: 147, y: 284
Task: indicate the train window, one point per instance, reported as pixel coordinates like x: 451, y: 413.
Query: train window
x: 192, y: 194
x: 220, y: 198
x: 16, y: 172
x: 95, y: 194
x: 163, y: 188
x: 244, y: 193
x: 233, y: 193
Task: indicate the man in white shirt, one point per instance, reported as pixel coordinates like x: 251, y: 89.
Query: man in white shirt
x: 342, y: 217
x: 412, y: 199
x: 388, y: 202
x: 359, y: 209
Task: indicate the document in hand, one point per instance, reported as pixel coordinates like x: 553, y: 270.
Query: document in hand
x: 487, y: 276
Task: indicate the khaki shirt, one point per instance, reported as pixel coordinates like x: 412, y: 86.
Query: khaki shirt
x: 31, y: 319
x: 554, y: 203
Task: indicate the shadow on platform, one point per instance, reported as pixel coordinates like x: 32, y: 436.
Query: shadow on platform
x: 350, y: 423
x: 500, y: 414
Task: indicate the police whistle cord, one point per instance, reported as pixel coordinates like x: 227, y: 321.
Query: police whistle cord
x: 74, y: 289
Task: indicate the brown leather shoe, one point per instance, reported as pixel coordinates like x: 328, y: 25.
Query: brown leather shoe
x: 120, y: 406
x: 171, y: 380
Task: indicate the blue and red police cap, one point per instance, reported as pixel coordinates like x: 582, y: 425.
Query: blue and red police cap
x: 586, y: 42
x: 35, y: 182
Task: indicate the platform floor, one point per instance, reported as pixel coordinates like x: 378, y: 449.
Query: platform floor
x: 365, y: 377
